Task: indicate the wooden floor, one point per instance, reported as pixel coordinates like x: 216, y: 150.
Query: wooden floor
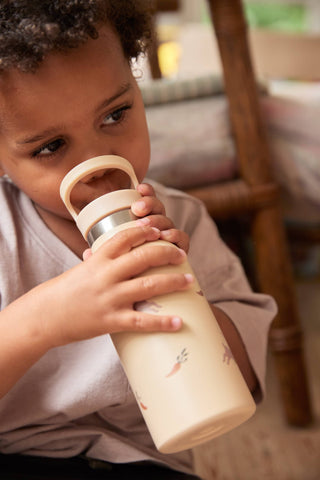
x: 265, y: 447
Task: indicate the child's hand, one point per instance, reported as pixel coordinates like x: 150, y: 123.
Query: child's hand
x: 97, y: 296
x: 153, y: 213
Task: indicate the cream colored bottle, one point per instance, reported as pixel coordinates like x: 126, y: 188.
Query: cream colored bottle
x: 187, y: 383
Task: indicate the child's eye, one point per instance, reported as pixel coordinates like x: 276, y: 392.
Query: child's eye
x: 116, y: 116
x: 50, y: 148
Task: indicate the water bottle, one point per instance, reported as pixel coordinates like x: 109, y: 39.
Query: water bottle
x: 186, y: 383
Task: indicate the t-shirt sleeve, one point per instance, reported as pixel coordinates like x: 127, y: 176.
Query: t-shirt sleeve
x: 223, y: 280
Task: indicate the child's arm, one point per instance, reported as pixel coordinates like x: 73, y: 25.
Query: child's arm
x: 93, y: 298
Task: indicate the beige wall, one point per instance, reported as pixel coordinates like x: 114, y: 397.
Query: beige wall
x: 281, y: 55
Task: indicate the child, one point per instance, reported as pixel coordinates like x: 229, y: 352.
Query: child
x: 67, y: 94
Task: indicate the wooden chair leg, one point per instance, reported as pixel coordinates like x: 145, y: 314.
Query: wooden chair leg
x: 272, y: 258
x: 275, y: 277
x: 153, y: 57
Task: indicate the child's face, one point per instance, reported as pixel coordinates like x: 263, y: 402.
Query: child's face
x: 75, y: 106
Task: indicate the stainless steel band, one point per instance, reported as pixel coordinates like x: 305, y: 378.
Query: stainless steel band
x: 109, y: 223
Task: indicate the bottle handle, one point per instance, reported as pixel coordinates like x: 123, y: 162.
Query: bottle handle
x: 90, y: 166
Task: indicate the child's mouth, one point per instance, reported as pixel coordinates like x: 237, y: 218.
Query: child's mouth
x: 99, y: 184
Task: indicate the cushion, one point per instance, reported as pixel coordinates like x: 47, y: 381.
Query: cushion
x: 192, y: 144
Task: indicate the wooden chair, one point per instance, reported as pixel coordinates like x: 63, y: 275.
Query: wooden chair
x: 256, y: 193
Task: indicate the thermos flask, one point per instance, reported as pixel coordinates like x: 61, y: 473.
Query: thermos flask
x: 187, y: 383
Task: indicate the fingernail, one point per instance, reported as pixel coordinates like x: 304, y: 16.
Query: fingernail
x: 182, y: 252
x: 144, y: 221
x: 176, y: 323
x: 140, y: 205
x: 189, y: 277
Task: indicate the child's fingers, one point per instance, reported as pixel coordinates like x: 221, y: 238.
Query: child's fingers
x: 159, y: 221
x: 144, y: 257
x: 149, y: 286
x: 146, y: 206
x: 131, y: 320
x: 167, y: 230
x: 179, y: 238
x: 123, y: 241
x: 149, y: 203
x: 86, y: 254
x: 137, y: 290
x: 146, y: 189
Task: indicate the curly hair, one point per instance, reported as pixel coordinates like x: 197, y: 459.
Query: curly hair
x: 30, y: 29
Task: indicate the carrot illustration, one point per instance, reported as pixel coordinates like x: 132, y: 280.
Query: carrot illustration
x: 176, y: 367
x: 227, y: 355
x: 183, y: 357
x: 143, y: 406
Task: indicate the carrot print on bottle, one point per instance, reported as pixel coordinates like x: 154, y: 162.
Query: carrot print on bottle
x: 181, y: 358
x: 142, y: 405
x: 227, y: 355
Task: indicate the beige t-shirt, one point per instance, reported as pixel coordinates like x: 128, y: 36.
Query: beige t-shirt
x: 76, y: 398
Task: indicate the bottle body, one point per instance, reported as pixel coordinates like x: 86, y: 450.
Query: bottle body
x: 187, y: 384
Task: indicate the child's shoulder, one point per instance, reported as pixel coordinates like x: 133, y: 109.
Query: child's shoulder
x: 18, y: 213
x: 173, y: 198
x: 6, y: 185
x: 9, y: 194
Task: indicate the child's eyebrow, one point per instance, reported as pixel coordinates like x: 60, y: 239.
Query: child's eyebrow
x: 122, y: 90
x: 53, y: 131
x: 39, y: 137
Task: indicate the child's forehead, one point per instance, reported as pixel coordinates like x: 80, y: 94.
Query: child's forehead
x: 107, y: 40
x: 85, y: 60
x: 79, y: 78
